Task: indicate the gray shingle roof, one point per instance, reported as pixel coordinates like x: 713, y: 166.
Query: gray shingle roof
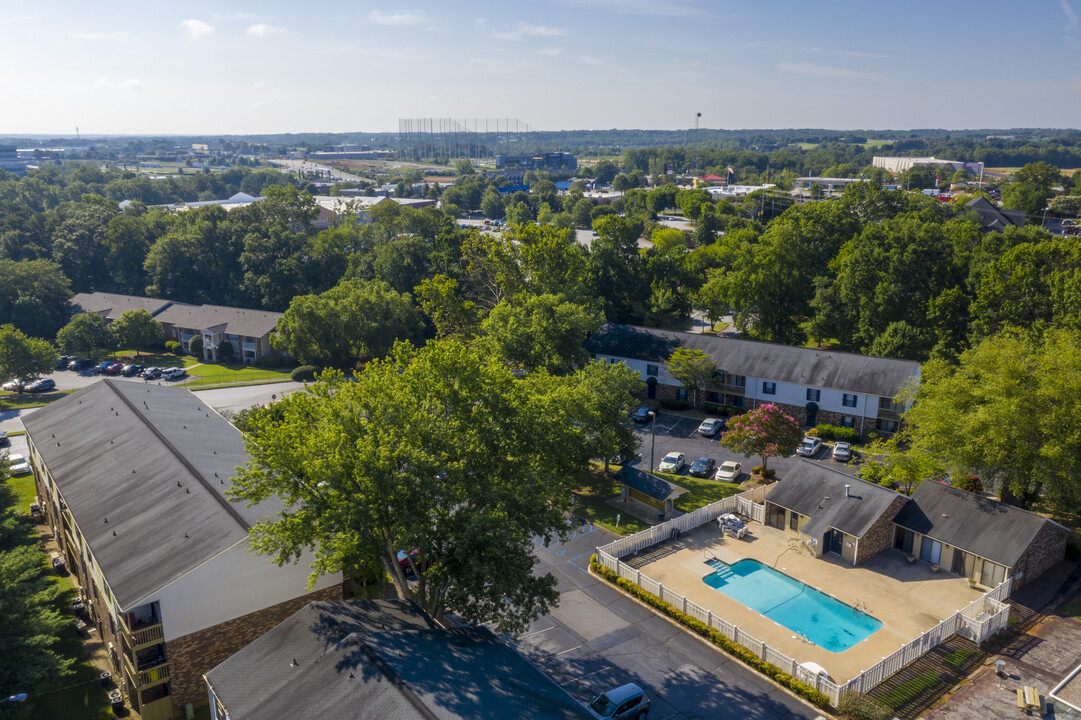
x: 383, y: 659
x: 849, y: 372
x: 652, y: 485
x: 155, y: 462
x: 974, y: 523
x: 236, y: 321
x: 819, y: 493
x: 111, y: 306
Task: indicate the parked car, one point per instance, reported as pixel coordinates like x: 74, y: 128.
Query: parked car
x: 80, y: 364
x: 842, y: 452
x: 673, y: 462
x: 4, y: 441
x: 151, y: 373
x: 62, y: 362
x: 173, y: 373
x: 729, y: 471
x: 703, y: 467
x: 17, y: 464
x: 642, y: 414
x: 622, y: 703
x: 42, y: 385
x: 710, y: 427
x: 809, y: 447
x: 131, y: 370
x: 12, y: 386
x: 114, y: 368
x: 104, y: 364
x: 403, y: 561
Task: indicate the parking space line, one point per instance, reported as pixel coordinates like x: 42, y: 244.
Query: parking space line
x: 564, y: 652
x: 571, y: 561
x: 536, y: 632
x: 583, y: 677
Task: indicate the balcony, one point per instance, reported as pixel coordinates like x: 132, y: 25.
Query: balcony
x: 148, y: 669
x: 142, y: 626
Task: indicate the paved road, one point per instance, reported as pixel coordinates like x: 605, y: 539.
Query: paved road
x: 335, y: 173
x: 598, y: 638
x: 679, y: 433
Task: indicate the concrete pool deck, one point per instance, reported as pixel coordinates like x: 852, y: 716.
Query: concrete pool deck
x: 909, y: 599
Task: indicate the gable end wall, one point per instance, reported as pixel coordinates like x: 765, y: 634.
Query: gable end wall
x: 879, y: 537
x: 1047, y: 549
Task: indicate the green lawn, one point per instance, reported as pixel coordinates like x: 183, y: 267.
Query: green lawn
x: 162, y: 359
x: 589, y: 503
x: 16, y: 401
x: 703, y: 491
x: 216, y: 374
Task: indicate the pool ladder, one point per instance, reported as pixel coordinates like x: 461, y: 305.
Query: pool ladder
x: 860, y: 606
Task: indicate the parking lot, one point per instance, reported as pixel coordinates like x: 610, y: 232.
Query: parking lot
x: 679, y: 433
x: 598, y: 638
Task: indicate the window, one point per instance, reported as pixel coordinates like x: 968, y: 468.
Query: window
x: 737, y: 401
x: 651, y: 370
x: 848, y: 421
x: 769, y: 388
x: 793, y: 521
x: 813, y: 395
x: 681, y: 394
x: 887, y: 426
x: 736, y: 380
x: 848, y: 400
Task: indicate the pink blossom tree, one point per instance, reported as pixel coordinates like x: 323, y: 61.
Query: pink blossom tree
x: 765, y: 431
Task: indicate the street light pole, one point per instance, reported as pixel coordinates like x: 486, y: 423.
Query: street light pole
x: 652, y: 438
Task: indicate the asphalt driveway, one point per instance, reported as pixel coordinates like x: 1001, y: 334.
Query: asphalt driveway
x: 598, y: 638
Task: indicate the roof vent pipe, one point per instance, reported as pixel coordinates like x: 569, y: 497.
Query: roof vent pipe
x: 847, y: 486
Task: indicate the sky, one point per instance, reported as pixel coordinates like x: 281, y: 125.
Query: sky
x: 197, y: 67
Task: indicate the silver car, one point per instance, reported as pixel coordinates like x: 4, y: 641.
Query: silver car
x: 623, y: 703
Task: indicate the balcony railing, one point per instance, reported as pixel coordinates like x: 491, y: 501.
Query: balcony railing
x: 889, y: 413
x: 141, y: 677
x: 146, y: 636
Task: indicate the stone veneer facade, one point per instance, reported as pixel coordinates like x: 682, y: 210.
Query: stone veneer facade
x: 879, y: 537
x: 193, y: 655
x: 1047, y: 549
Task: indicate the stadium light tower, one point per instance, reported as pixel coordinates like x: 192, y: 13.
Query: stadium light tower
x: 696, y: 117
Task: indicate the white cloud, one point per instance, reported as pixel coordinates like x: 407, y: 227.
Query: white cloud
x: 856, y: 53
x: 551, y: 52
x: 641, y: 7
x: 195, y: 28
x: 526, y: 30
x: 590, y: 60
x: 114, y: 84
x: 399, y: 19
x: 488, y: 62
x: 263, y: 30
x: 1071, y: 21
x: 824, y: 71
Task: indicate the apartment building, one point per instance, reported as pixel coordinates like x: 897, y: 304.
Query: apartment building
x: 814, y: 386
x: 132, y: 479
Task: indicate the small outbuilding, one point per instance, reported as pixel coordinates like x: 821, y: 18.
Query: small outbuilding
x: 650, y: 489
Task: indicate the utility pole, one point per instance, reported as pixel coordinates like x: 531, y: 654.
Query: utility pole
x: 696, y: 117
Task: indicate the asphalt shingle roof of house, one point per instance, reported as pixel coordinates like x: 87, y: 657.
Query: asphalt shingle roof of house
x: 850, y: 372
x: 143, y: 470
x: 111, y: 305
x: 235, y: 321
x: 819, y: 493
x: 383, y: 659
x: 652, y: 485
x: 974, y: 523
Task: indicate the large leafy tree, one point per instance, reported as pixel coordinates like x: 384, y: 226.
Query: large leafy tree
x: 353, y: 321
x: 1007, y: 413
x: 439, y: 449
x: 693, y: 368
x: 86, y: 334
x: 766, y: 431
x: 1031, y: 187
x: 23, y: 358
x: 543, y: 331
x: 33, y: 296
x: 452, y: 314
x: 137, y: 329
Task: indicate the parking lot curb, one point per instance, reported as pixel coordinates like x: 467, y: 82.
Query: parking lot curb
x: 803, y: 701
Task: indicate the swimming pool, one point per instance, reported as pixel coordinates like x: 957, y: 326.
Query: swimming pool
x: 826, y: 622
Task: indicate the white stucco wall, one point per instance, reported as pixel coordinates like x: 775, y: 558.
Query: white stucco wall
x: 233, y: 583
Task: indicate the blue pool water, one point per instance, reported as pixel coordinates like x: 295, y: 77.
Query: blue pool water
x: 826, y: 622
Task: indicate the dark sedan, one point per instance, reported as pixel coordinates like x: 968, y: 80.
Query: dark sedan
x: 703, y: 467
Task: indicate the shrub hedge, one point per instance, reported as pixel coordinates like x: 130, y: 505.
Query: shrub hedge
x: 669, y: 404
x: 173, y: 347
x: 304, y: 373
x: 836, y: 432
x: 715, y: 636
x: 857, y: 706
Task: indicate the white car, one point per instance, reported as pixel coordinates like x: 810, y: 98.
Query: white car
x: 842, y: 452
x: 18, y: 465
x: 173, y: 373
x: 710, y: 427
x: 809, y: 447
x: 672, y: 463
x: 729, y: 471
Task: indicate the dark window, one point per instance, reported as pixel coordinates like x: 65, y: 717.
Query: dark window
x: 681, y: 393
x: 848, y: 400
x: 813, y: 395
x: 793, y: 521
x: 736, y: 380
x: 848, y: 421
x: 887, y: 426
x: 769, y: 388
x: 737, y: 401
x: 651, y: 370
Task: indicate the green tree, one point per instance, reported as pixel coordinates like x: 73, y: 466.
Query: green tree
x: 138, y: 329
x: 543, y: 331
x: 86, y: 334
x: 33, y: 296
x: 23, y: 358
x: 1003, y: 413
x: 226, y: 352
x: 765, y: 431
x: 452, y: 315
x: 492, y: 204
x: 439, y: 449
x: 693, y: 368
x: 1031, y: 188
x: 195, y: 346
x: 350, y: 323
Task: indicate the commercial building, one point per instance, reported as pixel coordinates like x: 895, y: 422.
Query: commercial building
x: 563, y: 161
x: 132, y: 478
x: 10, y: 162
x: 897, y: 165
x: 814, y: 386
